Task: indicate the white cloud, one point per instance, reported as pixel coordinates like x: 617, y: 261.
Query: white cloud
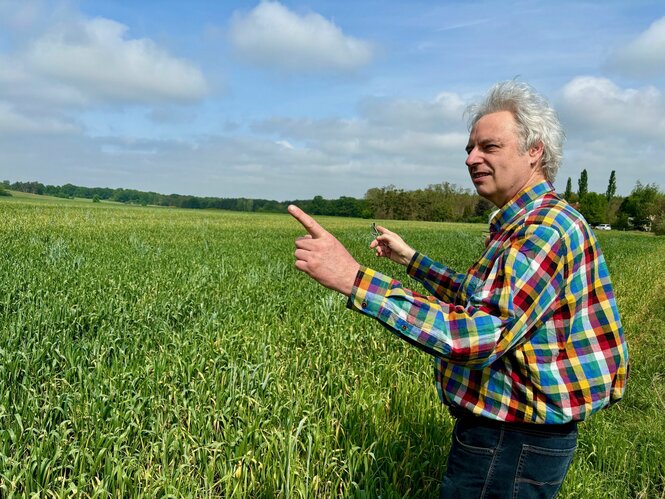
x: 25, y: 88
x: 10, y: 72
x: 644, y: 56
x: 409, y: 143
x: 466, y: 24
x: 272, y: 35
x: 19, y: 16
x: 611, y: 128
x: 443, y: 113
x: 96, y: 58
x: 387, y: 131
x: 14, y: 122
x: 281, y: 158
x: 598, y: 104
x: 632, y: 161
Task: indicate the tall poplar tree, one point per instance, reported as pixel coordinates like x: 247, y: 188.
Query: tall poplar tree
x: 583, y: 184
x: 611, y: 186
x: 569, y: 190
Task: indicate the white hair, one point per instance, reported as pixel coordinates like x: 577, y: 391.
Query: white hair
x: 536, y: 120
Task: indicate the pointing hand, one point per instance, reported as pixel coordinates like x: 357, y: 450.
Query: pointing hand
x: 322, y: 257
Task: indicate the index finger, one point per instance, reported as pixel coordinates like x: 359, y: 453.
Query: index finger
x: 308, y: 222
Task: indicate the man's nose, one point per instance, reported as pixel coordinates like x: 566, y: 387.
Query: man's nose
x: 473, y: 157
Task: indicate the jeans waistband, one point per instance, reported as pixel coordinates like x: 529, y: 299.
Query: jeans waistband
x: 459, y: 413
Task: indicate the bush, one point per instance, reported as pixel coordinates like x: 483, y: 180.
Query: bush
x: 658, y: 226
x: 4, y: 192
x: 622, y: 222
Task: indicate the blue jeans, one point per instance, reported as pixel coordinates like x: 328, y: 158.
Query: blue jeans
x: 500, y: 460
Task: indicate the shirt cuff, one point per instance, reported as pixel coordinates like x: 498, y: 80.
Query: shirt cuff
x: 369, y: 288
x: 419, y: 266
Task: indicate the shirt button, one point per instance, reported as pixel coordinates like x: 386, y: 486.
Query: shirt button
x: 404, y: 328
x: 459, y: 308
x: 363, y: 304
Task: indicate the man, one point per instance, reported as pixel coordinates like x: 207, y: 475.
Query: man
x: 528, y: 342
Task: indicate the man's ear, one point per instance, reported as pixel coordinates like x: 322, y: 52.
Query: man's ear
x: 536, y: 152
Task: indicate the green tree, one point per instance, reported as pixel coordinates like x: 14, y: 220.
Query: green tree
x: 658, y: 225
x: 611, y: 186
x: 318, y: 206
x: 482, y: 210
x: 613, y: 206
x: 583, y: 185
x: 345, y: 206
x: 622, y: 222
x: 593, y: 207
x: 374, y: 200
x: 642, y: 205
x: 569, y: 189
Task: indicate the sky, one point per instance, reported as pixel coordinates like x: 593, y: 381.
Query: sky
x: 292, y: 99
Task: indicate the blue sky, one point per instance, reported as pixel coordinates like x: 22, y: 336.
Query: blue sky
x: 292, y: 99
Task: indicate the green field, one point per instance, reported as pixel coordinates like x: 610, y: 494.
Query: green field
x: 159, y: 352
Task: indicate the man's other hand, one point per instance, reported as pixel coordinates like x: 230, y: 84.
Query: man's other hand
x: 390, y: 245
x: 322, y: 257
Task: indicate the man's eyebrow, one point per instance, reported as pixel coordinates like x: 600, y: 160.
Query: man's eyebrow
x: 491, y: 140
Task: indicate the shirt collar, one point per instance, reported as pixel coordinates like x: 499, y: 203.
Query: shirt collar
x: 521, y: 199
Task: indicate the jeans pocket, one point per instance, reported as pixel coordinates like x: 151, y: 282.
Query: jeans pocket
x: 470, y: 460
x: 541, y: 470
x: 476, y: 439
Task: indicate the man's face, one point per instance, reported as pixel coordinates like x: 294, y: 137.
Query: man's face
x: 498, y: 167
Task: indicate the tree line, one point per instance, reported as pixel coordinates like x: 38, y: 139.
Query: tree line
x: 440, y: 202
x: 643, y: 209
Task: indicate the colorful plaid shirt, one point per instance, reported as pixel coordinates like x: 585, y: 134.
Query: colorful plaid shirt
x: 530, y: 333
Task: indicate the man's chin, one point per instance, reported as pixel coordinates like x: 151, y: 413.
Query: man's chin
x: 482, y: 191
x: 486, y: 194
